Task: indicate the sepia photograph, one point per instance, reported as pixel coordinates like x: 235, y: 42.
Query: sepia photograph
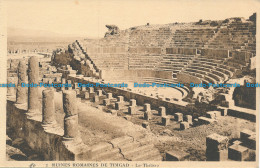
x: 134, y: 83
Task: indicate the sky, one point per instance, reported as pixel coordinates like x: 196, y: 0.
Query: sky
x: 89, y: 17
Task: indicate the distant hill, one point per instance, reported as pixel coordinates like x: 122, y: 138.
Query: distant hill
x: 24, y: 35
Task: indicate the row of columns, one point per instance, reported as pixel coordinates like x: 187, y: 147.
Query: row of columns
x: 48, y: 105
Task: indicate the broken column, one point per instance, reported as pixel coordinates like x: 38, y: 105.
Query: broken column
x: 33, y: 77
x: 48, y: 107
x: 162, y: 111
x: 216, y: 147
x: 71, y: 114
x: 21, y: 92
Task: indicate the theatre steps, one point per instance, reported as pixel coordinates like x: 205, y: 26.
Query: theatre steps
x: 126, y: 148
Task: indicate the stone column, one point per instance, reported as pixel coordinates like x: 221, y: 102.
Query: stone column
x: 33, y: 78
x: 10, y: 90
x: 48, y: 107
x: 21, y: 92
x: 71, y: 114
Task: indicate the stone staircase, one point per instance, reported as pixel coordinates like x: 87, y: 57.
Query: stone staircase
x: 125, y: 148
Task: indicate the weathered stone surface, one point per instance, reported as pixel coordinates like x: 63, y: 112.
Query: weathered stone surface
x: 216, y: 142
x: 21, y: 92
x: 145, y: 125
x: 165, y: 120
x: 132, y: 110
x: 221, y: 155
x: 120, y: 98
x: 132, y: 102
x: 70, y: 103
x: 71, y: 126
x: 109, y: 96
x: 162, y: 111
x: 178, y: 117
x: 33, y: 78
x: 238, y: 152
x: 147, y: 107
x: 119, y: 105
x: 188, y: 118
x: 106, y: 102
x: 48, y: 107
x: 184, y: 125
x: 176, y: 155
x: 147, y: 115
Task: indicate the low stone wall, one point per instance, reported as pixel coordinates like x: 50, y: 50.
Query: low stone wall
x: 46, y: 140
x: 216, y: 53
x: 132, y: 74
x: 172, y: 106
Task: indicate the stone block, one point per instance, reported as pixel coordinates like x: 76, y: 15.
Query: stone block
x: 184, y: 125
x: 132, y: 110
x: 188, y: 118
x: 109, y: 96
x: 216, y: 142
x: 204, y: 120
x: 165, y: 120
x: 176, y: 155
x: 237, y: 142
x: 91, y: 90
x: 106, y: 102
x: 238, y: 152
x: 221, y: 155
x: 83, y: 89
x: 113, y: 112
x: 211, y: 115
x: 245, y: 134
x: 147, y: 115
x: 127, y: 117
x: 119, y: 105
x: 132, y: 102
x: 99, y: 93
x: 86, y: 95
x: 162, y: 111
x: 147, y: 107
x: 120, y: 98
x: 145, y: 125
x: 178, y: 117
x: 251, y: 143
x: 96, y: 99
